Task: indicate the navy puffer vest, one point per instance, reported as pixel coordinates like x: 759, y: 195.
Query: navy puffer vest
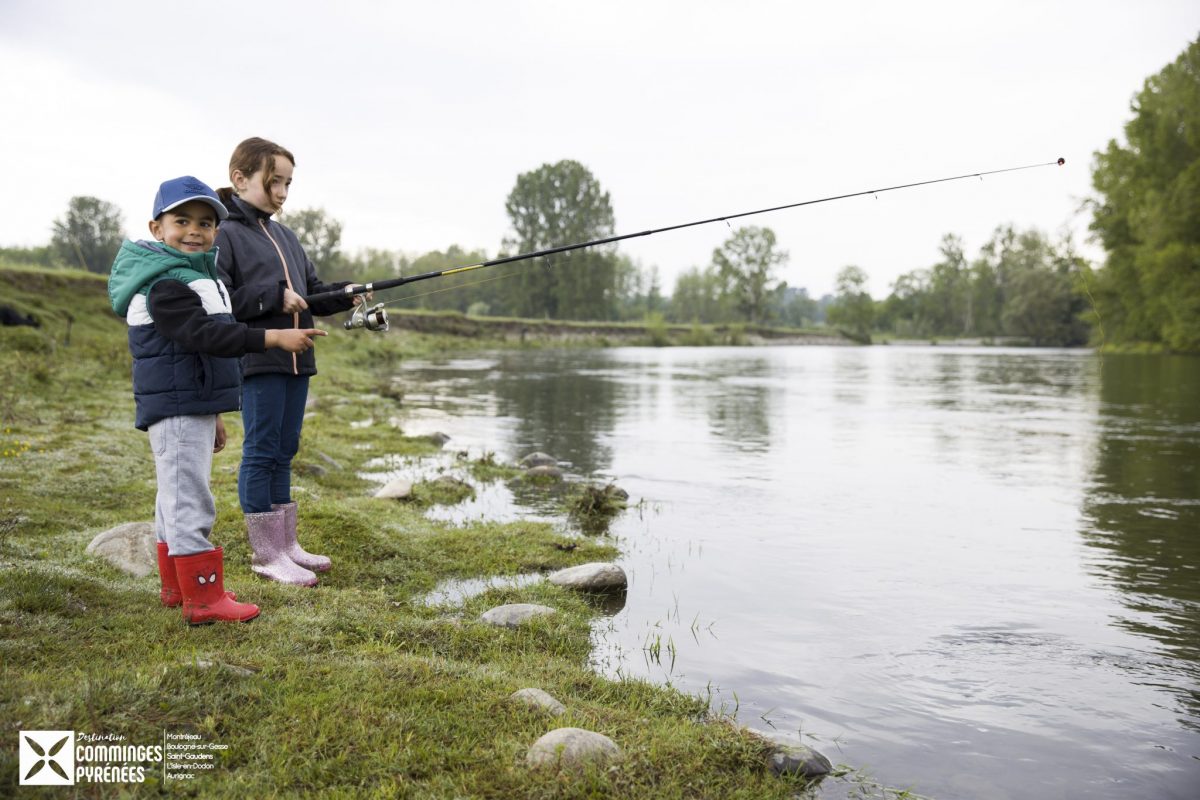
x: 169, y: 380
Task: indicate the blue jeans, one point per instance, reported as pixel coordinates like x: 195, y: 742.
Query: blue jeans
x: 272, y: 415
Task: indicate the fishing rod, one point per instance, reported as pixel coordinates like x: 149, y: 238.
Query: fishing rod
x: 375, y: 318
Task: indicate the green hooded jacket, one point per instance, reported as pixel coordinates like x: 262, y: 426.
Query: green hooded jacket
x: 139, y: 265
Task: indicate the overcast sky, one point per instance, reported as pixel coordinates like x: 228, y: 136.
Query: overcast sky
x: 411, y: 121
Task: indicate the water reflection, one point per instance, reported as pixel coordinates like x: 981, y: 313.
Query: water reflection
x: 567, y: 414
x: 973, y: 569
x: 1143, y: 508
x: 738, y: 402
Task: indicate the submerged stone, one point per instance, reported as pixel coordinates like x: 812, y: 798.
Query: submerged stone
x: 544, y: 473
x: 538, y: 459
x: 799, y: 759
x: 451, y: 481
x: 594, y: 577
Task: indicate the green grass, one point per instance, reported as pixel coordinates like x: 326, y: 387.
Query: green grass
x: 355, y: 689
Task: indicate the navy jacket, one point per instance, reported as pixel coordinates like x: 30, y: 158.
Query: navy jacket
x: 257, y: 259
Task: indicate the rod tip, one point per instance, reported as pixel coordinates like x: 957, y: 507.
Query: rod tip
x: 1062, y: 161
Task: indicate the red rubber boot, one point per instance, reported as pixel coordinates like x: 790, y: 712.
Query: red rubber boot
x: 202, y: 583
x: 170, y: 594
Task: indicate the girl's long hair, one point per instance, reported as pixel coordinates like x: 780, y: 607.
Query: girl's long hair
x: 249, y: 157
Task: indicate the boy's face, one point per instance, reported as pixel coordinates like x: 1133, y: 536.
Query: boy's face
x: 189, y: 228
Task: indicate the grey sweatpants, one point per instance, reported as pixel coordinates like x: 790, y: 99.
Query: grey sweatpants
x: 184, y: 510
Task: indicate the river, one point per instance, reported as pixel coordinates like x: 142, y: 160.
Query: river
x: 972, y: 573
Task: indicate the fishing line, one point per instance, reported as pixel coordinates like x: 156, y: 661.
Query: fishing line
x: 449, y: 288
x: 363, y: 317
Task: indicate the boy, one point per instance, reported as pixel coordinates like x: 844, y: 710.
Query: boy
x: 186, y: 345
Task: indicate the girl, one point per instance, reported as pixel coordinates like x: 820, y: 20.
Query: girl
x: 268, y: 275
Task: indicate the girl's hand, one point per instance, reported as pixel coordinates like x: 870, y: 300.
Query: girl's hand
x: 292, y: 302
x: 219, y: 440
x: 359, y: 299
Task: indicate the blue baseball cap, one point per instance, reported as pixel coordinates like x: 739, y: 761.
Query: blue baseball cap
x: 177, y: 191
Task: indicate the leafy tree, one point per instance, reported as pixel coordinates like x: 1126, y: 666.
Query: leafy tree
x: 367, y: 265
x: 654, y: 301
x: 853, y: 309
x: 903, y: 312
x: 638, y: 290
x: 1147, y: 215
x: 454, y: 292
x: 701, y: 295
x: 792, y: 306
x: 320, y: 235
x: 551, y: 206
x: 746, y: 263
x: 949, y: 305
x: 89, y: 235
x: 1044, y: 308
x: 1035, y: 283
x: 1022, y: 284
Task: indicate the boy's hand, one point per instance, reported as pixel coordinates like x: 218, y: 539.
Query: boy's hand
x: 359, y: 299
x: 292, y: 302
x: 293, y: 340
x: 219, y: 440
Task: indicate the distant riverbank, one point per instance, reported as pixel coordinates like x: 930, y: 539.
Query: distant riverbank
x: 603, y: 334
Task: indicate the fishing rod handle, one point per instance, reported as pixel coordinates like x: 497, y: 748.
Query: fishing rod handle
x: 363, y: 288
x: 345, y: 291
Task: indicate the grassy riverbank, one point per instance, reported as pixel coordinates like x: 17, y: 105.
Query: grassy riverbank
x: 357, y: 688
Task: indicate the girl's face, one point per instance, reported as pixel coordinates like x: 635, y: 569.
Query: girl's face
x: 269, y: 198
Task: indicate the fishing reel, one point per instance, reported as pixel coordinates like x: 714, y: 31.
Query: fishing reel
x: 374, y: 318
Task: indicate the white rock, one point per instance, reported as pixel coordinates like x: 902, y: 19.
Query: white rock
x: 510, y: 616
x: 572, y: 747
x: 537, y: 698
x: 596, y: 576
x: 539, y: 459
x: 130, y: 547
x: 398, y: 489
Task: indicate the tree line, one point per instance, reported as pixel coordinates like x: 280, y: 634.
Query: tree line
x: 1021, y: 284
